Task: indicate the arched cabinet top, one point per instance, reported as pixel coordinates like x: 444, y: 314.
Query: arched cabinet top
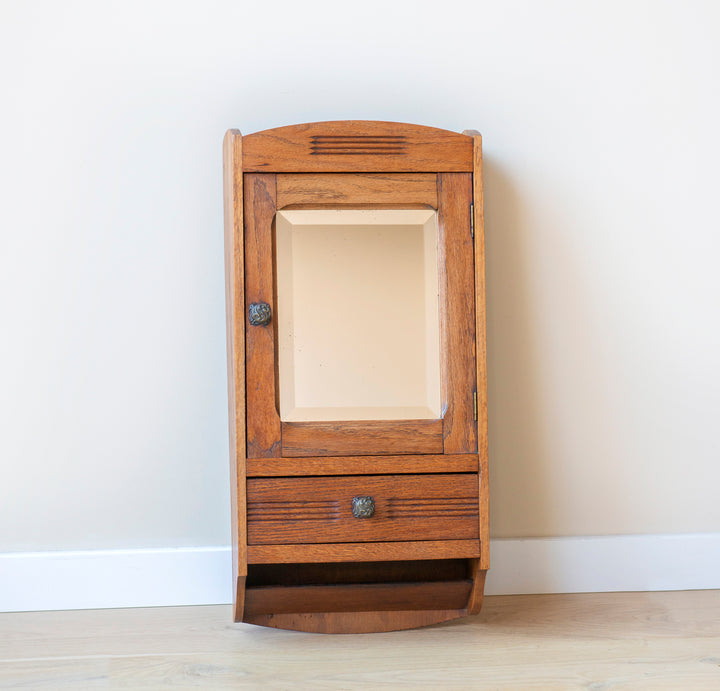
x: 349, y: 146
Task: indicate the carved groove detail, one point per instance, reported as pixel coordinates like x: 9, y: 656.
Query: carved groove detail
x: 358, y: 145
x: 293, y: 510
x: 449, y: 507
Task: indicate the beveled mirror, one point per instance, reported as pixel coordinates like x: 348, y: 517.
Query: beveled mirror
x: 358, y: 326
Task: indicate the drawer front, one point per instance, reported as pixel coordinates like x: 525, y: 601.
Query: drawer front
x: 304, y: 510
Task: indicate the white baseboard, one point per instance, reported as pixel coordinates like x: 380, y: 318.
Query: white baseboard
x: 201, y: 576
x: 608, y: 563
x: 100, y: 579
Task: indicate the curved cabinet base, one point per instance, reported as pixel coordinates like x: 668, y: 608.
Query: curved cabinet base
x: 363, y: 607
x: 355, y: 622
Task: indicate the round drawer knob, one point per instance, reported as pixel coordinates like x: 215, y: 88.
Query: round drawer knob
x: 363, y: 507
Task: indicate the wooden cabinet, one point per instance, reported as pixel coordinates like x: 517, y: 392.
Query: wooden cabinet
x: 357, y: 382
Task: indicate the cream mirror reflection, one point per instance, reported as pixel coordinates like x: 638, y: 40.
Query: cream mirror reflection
x: 357, y: 314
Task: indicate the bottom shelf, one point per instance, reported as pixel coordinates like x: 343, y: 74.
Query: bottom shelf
x: 354, y: 597
x: 364, y: 597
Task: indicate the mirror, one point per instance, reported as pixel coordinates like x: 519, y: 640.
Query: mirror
x: 357, y: 314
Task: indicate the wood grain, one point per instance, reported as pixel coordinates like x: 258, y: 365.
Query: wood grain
x: 357, y: 189
x: 363, y: 551
x: 362, y: 437
x: 235, y: 331
x: 362, y: 465
x: 458, y: 323
x: 263, y: 421
x: 364, y: 597
x: 319, y: 509
x: 357, y: 146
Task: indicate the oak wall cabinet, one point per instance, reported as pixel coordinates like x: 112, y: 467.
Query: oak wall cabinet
x: 357, y: 380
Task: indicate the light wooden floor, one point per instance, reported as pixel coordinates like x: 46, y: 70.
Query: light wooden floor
x: 596, y: 641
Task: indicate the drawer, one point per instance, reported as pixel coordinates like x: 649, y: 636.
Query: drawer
x: 356, y: 508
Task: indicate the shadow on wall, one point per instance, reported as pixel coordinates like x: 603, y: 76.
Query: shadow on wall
x: 553, y: 416
x: 519, y: 447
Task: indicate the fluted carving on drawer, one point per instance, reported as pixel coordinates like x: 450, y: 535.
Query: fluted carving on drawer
x: 432, y: 507
x: 293, y: 510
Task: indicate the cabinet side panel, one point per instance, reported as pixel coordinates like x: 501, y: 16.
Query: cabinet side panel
x: 263, y: 421
x: 480, y: 566
x: 475, y: 599
x: 458, y: 320
x: 481, y: 346
x: 234, y: 299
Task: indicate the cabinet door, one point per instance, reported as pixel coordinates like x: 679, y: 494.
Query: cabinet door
x: 367, y: 343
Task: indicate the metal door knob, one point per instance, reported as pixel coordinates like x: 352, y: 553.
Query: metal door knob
x: 259, y: 314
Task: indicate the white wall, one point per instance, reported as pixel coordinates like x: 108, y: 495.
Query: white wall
x: 601, y: 143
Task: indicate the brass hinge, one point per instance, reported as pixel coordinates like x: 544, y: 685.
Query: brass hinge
x: 475, y: 405
x: 472, y: 221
